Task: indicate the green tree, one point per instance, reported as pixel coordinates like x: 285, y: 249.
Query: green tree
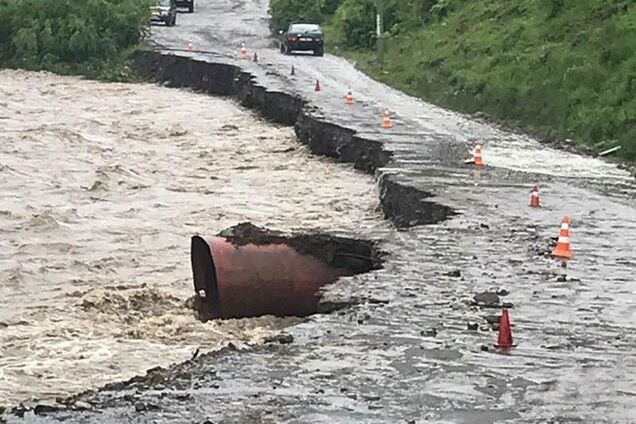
x: 285, y: 11
x: 68, y: 34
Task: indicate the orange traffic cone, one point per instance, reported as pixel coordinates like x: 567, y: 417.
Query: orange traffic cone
x: 386, y: 121
x: 293, y: 71
x: 349, y: 99
x: 317, y: 87
x: 255, y: 58
x: 479, y: 160
x: 190, y: 47
x: 535, y: 202
x: 243, y: 51
x: 562, y: 249
x: 504, y: 339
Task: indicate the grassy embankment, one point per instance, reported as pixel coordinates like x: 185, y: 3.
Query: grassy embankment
x: 555, y: 68
x: 88, y: 37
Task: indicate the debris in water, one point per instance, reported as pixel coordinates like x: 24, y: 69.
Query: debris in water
x: 608, y: 151
x: 248, y: 271
x: 486, y: 299
x: 492, y: 319
x: 431, y: 332
x: 281, y: 338
x: 177, y: 131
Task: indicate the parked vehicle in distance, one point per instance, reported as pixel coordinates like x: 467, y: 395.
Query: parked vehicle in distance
x: 188, y: 4
x: 165, y: 11
x: 302, y: 37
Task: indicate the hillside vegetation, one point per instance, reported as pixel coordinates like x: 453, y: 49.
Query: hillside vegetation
x: 89, y: 37
x: 557, y: 68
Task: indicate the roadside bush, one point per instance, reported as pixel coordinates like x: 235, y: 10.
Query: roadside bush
x: 69, y: 35
x: 355, y: 23
x: 285, y: 11
x: 329, y: 7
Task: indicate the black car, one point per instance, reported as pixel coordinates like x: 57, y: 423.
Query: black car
x: 165, y: 11
x: 302, y: 37
x: 188, y: 4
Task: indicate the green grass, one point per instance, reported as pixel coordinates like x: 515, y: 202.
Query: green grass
x: 555, y: 68
x: 90, y: 37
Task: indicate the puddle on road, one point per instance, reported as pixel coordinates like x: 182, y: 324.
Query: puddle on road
x: 102, y: 186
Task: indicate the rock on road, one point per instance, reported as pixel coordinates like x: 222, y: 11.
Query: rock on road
x: 407, y: 351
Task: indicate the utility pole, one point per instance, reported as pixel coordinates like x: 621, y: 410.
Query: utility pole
x: 379, y: 28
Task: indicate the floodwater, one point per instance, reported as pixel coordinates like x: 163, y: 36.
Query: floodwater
x: 408, y: 350
x: 102, y: 186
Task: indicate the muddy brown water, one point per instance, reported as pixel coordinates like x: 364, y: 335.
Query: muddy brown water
x: 102, y: 186
x: 380, y: 360
x: 404, y: 352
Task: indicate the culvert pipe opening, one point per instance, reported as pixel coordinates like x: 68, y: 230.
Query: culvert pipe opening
x: 247, y: 271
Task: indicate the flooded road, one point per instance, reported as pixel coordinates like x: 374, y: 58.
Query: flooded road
x: 102, y: 186
x: 416, y: 346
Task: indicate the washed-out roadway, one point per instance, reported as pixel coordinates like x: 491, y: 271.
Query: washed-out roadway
x: 403, y: 352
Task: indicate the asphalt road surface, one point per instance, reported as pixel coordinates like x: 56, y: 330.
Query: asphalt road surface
x: 405, y: 352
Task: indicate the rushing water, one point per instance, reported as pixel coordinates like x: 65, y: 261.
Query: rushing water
x: 102, y: 186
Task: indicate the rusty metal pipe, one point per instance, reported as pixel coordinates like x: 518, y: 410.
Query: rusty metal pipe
x: 252, y: 280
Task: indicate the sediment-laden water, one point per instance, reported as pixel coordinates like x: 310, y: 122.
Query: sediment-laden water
x: 102, y: 186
